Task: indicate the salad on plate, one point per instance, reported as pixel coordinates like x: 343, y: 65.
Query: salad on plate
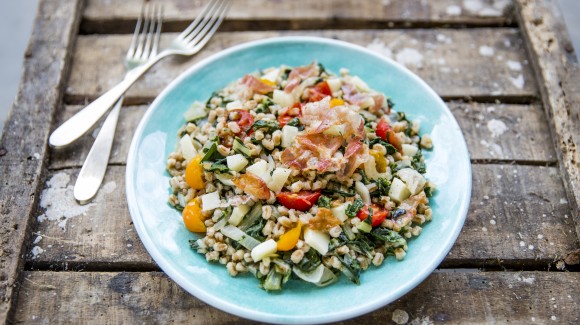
x: 295, y: 171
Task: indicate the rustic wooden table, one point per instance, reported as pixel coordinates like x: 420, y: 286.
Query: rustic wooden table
x: 507, y: 71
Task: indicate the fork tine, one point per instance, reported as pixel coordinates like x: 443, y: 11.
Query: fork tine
x: 210, y: 28
x: 158, y: 32
x: 149, y: 38
x: 133, y: 46
x: 202, y: 27
x: 202, y: 15
x: 143, y: 35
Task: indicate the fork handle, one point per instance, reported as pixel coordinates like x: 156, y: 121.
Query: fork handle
x: 95, y: 165
x: 84, y: 120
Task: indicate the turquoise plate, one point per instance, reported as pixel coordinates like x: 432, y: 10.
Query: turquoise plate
x: 161, y: 229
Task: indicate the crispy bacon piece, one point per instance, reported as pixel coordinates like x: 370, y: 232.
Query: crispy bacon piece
x: 324, y: 220
x: 300, y: 73
x: 308, y: 146
x: 353, y: 96
x: 356, y: 153
x: 410, y: 206
x: 253, y: 185
x: 255, y: 85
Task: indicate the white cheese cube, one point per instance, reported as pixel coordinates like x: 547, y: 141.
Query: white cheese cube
x: 238, y: 213
x: 339, y: 212
x: 187, y: 149
x: 261, y: 170
x: 210, y: 201
x: 289, y: 133
x: 236, y: 162
x: 283, y: 98
x: 398, y: 191
x: 279, y: 177
x: 317, y: 239
x: 272, y: 75
x: 334, y: 84
x: 413, y: 179
x: 263, y: 250
x: 409, y: 150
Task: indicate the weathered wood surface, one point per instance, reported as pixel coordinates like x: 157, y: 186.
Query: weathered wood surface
x: 525, y: 138
x: 485, y: 64
x: 102, y: 17
x: 558, y: 72
x: 444, y: 298
x: 505, y: 132
x: 23, y: 146
x: 510, y: 206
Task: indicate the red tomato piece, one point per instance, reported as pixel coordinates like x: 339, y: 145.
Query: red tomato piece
x: 294, y: 111
x: 319, y: 92
x: 245, y: 120
x: 301, y: 201
x: 379, y: 215
x: 385, y: 132
x: 363, y: 213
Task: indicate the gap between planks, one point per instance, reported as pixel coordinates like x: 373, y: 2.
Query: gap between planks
x: 488, y: 265
x: 127, y: 26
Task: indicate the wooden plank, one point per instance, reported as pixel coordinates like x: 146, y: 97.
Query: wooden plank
x: 102, y: 17
x: 23, y: 146
x: 505, y: 132
x: 443, y: 298
x: 558, y: 73
x: 520, y: 141
x: 510, y: 205
x: 485, y: 64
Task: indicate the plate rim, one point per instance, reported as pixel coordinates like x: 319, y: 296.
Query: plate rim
x: 262, y: 316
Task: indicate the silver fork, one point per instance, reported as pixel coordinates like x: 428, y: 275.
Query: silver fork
x: 189, y: 42
x: 144, y: 45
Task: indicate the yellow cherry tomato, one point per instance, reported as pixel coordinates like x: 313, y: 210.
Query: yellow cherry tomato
x: 336, y: 102
x: 194, y: 173
x: 380, y: 161
x: 192, y: 216
x: 268, y: 82
x: 289, y: 239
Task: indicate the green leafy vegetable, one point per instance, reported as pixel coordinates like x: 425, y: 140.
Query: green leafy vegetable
x: 324, y: 202
x: 418, y: 163
x: 389, y: 237
x: 270, y: 126
x: 383, y: 186
x: 310, y: 261
x: 428, y: 191
x: 351, y: 267
x: 390, y: 148
x: 211, y: 153
x: 354, y: 208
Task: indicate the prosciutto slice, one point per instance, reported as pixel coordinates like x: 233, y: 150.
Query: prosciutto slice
x: 300, y: 73
x: 356, y: 154
x: 255, y: 85
x: 313, y: 151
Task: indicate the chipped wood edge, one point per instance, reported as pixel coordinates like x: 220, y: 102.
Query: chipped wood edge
x: 23, y: 157
x: 558, y: 73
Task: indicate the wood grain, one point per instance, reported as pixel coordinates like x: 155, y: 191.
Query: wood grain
x: 524, y: 202
x: 558, y: 72
x: 447, y: 59
x: 23, y: 147
x: 103, y: 17
x: 526, y: 138
x: 443, y: 298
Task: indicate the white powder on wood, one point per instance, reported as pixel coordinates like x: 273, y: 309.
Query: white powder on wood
x: 58, y: 201
x: 496, y: 127
x: 409, y: 57
x: 472, y: 5
x: 485, y: 50
x: 514, y: 65
x: 518, y: 82
x: 379, y: 47
x: 36, y: 251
